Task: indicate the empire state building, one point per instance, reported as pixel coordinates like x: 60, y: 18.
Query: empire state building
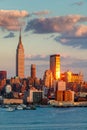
x: 20, y: 59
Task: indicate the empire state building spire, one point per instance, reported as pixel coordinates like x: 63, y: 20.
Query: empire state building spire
x: 20, y: 38
x: 20, y: 59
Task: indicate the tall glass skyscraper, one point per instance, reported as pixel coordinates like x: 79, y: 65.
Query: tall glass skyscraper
x: 55, y: 66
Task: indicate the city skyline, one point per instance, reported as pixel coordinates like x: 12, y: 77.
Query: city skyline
x: 48, y: 28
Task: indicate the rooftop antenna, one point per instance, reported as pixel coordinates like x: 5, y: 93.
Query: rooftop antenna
x: 20, y: 36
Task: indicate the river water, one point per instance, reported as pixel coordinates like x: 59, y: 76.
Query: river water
x: 44, y: 119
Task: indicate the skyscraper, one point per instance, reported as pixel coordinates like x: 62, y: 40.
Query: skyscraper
x: 20, y: 59
x: 3, y: 74
x: 55, y: 65
x: 33, y: 71
x: 48, y: 78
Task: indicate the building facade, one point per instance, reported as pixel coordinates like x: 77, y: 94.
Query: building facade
x: 33, y: 71
x: 72, y: 77
x: 3, y: 74
x: 48, y: 78
x: 20, y: 59
x: 69, y: 96
x: 61, y: 85
x: 55, y: 66
x: 65, y: 96
x: 35, y: 96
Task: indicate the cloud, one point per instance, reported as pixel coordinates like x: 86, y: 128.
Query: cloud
x: 78, y: 3
x: 40, y: 13
x: 10, y: 35
x: 37, y: 57
x: 55, y: 24
x: 73, y: 62
x: 12, y: 19
x: 72, y: 29
x: 75, y: 38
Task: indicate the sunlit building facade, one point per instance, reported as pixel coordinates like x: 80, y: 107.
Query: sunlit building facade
x: 59, y: 96
x: 72, y: 77
x: 20, y: 59
x: 69, y: 96
x: 55, y: 66
x: 65, y: 96
x: 48, y: 78
x: 61, y: 86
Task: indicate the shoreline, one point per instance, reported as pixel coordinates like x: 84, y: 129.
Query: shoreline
x: 67, y: 104
x: 51, y: 103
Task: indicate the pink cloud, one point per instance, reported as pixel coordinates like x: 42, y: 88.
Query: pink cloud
x: 72, y: 29
x: 12, y: 19
x: 58, y: 24
x: 81, y: 30
x: 40, y: 13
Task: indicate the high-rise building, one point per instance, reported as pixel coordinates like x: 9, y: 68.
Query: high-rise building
x: 20, y: 59
x: 55, y: 66
x: 33, y: 71
x: 3, y: 74
x: 48, y: 78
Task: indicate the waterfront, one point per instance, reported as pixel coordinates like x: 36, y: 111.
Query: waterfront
x: 44, y: 119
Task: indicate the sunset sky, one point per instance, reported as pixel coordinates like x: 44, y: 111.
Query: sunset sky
x: 48, y: 27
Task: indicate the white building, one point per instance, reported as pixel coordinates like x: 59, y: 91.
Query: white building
x: 35, y: 96
x: 61, y: 85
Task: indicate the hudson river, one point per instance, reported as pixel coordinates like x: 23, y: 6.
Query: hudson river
x: 44, y: 119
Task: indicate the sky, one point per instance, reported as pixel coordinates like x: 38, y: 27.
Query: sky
x: 48, y: 27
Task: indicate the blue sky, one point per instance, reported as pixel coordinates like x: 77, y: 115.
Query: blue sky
x: 48, y: 27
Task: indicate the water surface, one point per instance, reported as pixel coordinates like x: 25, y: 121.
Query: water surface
x: 44, y: 119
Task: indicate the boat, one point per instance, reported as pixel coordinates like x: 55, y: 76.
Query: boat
x: 31, y: 107
x: 10, y: 109
x: 19, y: 107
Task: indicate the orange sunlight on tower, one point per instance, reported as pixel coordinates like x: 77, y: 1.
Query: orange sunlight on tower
x: 55, y: 66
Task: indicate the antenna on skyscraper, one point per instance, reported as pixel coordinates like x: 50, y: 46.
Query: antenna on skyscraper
x: 20, y: 30
x: 20, y: 36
